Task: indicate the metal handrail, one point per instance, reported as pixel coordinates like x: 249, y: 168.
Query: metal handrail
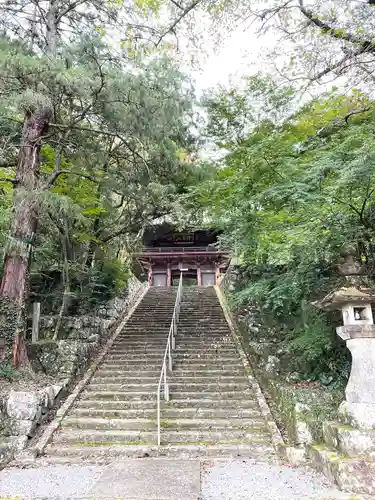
x: 171, y: 343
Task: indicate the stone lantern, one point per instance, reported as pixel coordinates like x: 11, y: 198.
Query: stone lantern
x: 358, y: 331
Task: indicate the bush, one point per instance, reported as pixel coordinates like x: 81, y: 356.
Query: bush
x: 104, y: 282
x: 8, y: 372
x: 89, y: 286
x: 305, y: 335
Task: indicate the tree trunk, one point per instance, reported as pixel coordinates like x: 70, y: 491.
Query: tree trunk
x: 51, y: 28
x: 15, y: 282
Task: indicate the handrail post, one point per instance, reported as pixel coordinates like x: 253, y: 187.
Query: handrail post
x: 170, y: 355
x: 158, y: 415
x: 166, y: 387
x: 173, y: 340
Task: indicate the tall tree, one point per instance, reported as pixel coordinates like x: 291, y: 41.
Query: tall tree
x: 72, y: 94
x: 289, y: 196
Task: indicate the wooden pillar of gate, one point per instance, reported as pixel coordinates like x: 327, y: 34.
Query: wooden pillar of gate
x: 199, y: 275
x: 150, y: 276
x: 217, y: 273
x: 169, y: 275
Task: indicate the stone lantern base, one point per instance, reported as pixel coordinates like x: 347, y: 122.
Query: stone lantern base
x: 358, y: 415
x: 359, y: 408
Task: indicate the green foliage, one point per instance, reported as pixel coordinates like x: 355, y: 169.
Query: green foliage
x: 112, y: 163
x: 105, y: 281
x: 289, y: 195
x: 8, y: 372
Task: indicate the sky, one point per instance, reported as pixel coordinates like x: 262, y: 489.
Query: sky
x: 237, y: 55
x: 231, y: 61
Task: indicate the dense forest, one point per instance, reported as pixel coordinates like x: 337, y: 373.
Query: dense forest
x: 94, y: 140
x: 100, y: 136
x: 294, y: 195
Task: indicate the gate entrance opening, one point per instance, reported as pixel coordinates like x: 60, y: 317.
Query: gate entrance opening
x: 166, y: 252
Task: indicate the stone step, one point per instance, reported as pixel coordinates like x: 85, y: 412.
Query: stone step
x: 202, y: 333
x: 165, y: 304
x: 152, y: 347
x: 177, y: 384
x: 158, y: 324
x: 350, y: 474
x: 146, y: 350
x: 174, y: 385
x: 213, y: 395
x: 203, y: 342
x: 99, y: 423
x: 141, y: 321
x: 201, y: 313
x: 349, y: 441
x: 210, y: 356
x: 127, y: 373
x: 178, y: 365
x: 175, y: 396
x: 218, y: 342
x: 202, y: 319
x: 168, y: 413
x: 148, y: 326
x: 118, y: 387
x: 105, y: 454
x: 130, y: 364
x: 146, y: 335
x: 143, y: 334
x: 153, y: 329
x: 186, y: 351
x: 142, y: 328
x: 208, y: 324
x: 159, y: 310
x: 208, y: 348
x: 80, y: 436
x: 215, y: 305
x: 142, y: 341
x: 185, y: 372
x: 186, y: 364
x: 156, y: 356
x: 175, y: 379
x: 112, y: 404
x: 134, y: 358
x: 123, y: 381
x: 143, y: 424
x: 120, y: 396
x: 180, y: 405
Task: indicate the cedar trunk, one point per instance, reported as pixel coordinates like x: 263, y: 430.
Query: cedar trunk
x: 14, y: 286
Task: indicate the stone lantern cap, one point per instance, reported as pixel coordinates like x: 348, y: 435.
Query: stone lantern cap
x: 344, y: 296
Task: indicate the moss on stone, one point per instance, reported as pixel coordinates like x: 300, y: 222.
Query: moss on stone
x: 12, y: 321
x: 110, y: 443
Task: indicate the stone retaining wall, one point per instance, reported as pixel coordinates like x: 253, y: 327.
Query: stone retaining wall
x: 299, y: 411
x: 22, y: 412
x: 93, y: 327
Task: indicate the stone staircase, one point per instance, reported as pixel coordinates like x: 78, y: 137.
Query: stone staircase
x: 213, y: 410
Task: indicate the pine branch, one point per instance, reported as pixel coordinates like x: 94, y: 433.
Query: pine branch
x: 57, y: 174
x: 365, y: 45
x: 101, y: 132
x: 178, y: 20
x: 357, y: 112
